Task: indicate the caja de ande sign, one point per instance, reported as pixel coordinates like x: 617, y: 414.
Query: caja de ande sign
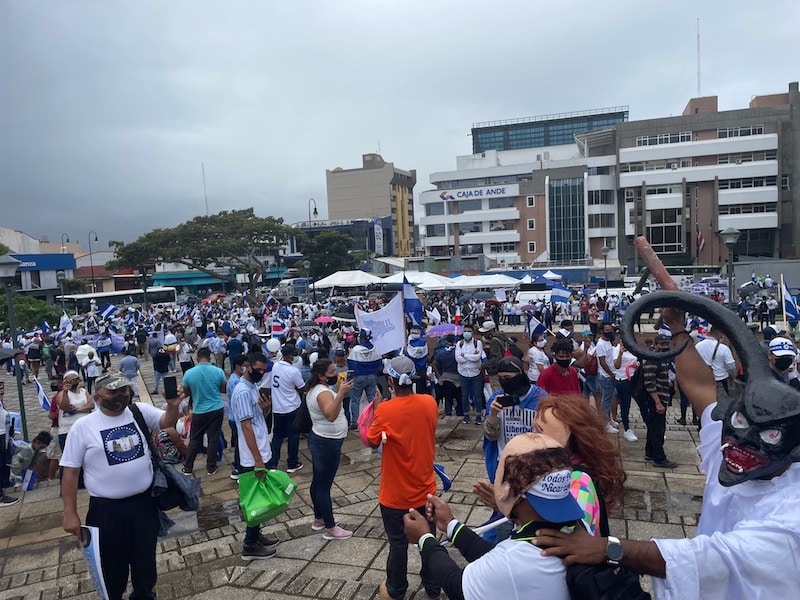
x: 477, y: 193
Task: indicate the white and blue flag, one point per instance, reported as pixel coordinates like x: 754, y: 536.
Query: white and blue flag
x: 790, y: 306
x: 46, y: 327
x: 559, y: 295
x: 42, y: 395
x: 107, y: 311
x: 412, y: 305
x: 536, y: 327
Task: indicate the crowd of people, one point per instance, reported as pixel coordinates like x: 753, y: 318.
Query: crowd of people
x: 548, y: 415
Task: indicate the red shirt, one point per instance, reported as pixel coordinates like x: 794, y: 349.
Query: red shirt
x: 554, y: 382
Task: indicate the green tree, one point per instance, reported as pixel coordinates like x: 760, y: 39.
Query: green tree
x: 76, y: 286
x: 4, y: 250
x: 328, y: 252
x: 29, y: 312
x: 236, y: 239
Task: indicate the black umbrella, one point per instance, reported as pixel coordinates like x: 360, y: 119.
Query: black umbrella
x: 483, y: 295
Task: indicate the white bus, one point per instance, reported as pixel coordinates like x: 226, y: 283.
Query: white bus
x: 157, y: 297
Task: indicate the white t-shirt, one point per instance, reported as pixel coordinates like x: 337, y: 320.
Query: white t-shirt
x: 66, y: 419
x: 92, y: 366
x: 515, y: 570
x: 244, y: 404
x: 621, y: 374
x: 606, y: 349
x: 283, y: 382
x: 536, y: 356
x: 113, y: 452
x: 320, y: 424
x: 722, y: 359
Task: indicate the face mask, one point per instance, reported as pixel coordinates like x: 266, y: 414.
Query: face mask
x: 516, y: 386
x: 413, y: 336
x: 255, y: 376
x: 116, y: 404
x: 541, y: 343
x: 563, y: 362
x: 467, y: 336
x: 331, y: 380
x: 783, y: 362
x: 609, y: 336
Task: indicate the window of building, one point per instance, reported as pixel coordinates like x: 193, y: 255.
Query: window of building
x: 435, y: 230
x: 566, y: 227
x: 469, y: 205
x: 748, y: 182
x: 629, y: 195
x: 785, y: 182
x: 743, y: 157
x: 471, y: 227
x: 599, y: 170
x: 532, y: 247
x: 664, y: 138
x: 531, y: 224
x: 747, y: 209
x: 531, y: 200
x: 602, y: 220
x: 601, y: 197
x: 728, y: 132
x: 507, y: 225
x: 437, y: 208
x: 664, y: 230
x: 498, y: 247
x: 663, y: 189
x: 495, y: 203
x: 610, y: 243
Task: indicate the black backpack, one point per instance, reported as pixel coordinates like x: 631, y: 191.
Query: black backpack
x: 638, y: 391
x: 603, y: 582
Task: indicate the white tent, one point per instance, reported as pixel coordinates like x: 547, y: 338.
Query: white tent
x: 466, y: 282
x: 347, y: 279
x: 550, y: 275
x: 526, y: 279
x: 420, y: 278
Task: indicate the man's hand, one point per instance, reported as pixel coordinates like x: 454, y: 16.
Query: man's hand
x: 72, y: 524
x: 264, y: 403
x: 495, y: 408
x: 660, y: 408
x: 485, y: 493
x: 438, y: 512
x: 415, y: 526
x: 674, y: 319
x: 578, y: 547
x: 260, y: 472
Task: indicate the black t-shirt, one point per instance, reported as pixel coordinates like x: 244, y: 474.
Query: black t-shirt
x: 161, y: 362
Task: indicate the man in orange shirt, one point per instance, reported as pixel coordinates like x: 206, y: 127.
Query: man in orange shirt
x: 406, y: 425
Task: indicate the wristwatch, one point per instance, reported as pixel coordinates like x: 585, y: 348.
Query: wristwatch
x: 614, y: 551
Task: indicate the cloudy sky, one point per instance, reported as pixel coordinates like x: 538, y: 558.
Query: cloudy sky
x: 108, y: 108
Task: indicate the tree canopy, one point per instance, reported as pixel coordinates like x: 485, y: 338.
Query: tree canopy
x: 29, y: 312
x: 328, y: 252
x: 4, y: 250
x: 237, y: 240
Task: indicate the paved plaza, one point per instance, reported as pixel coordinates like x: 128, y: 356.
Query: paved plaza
x: 201, y: 557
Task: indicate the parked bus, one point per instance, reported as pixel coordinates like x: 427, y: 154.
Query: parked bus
x: 292, y: 288
x: 157, y: 297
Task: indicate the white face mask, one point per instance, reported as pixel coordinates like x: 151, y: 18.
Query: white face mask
x: 541, y: 343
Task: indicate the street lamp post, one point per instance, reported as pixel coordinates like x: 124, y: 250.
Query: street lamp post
x: 730, y: 236
x: 60, y: 277
x: 64, y: 242
x: 604, y: 251
x: 8, y: 269
x: 315, y: 213
x: 91, y: 262
x: 143, y: 275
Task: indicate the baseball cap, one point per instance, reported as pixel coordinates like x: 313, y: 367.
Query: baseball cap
x: 113, y: 380
x: 450, y: 339
x: 487, y: 326
x: 401, y: 368
x: 273, y: 345
x: 510, y: 364
x: 782, y: 347
x: 365, y: 333
x: 538, y: 468
x: 564, y: 333
x: 339, y: 352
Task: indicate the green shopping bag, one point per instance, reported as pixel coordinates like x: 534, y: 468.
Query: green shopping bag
x: 264, y: 499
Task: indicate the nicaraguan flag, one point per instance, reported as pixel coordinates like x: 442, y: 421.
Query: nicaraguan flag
x: 29, y: 479
x: 412, y: 305
x: 559, y: 295
x: 46, y: 327
x: 536, y: 327
x: 792, y: 314
x: 40, y: 393
x: 108, y: 310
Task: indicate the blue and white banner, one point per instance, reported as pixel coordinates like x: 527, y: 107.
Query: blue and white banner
x: 29, y: 479
x: 536, y: 327
x: 412, y: 305
x: 65, y: 323
x: 386, y: 324
x: 790, y: 306
x: 559, y: 295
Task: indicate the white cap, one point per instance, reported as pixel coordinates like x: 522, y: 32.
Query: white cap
x: 273, y: 345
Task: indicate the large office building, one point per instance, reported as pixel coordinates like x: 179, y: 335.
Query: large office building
x: 377, y: 189
x: 574, y: 189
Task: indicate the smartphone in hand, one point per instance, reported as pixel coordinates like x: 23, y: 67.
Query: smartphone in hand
x: 507, y: 400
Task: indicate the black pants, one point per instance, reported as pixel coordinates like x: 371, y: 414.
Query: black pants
x: 105, y: 359
x: 128, y: 535
x: 210, y: 424
x: 656, y: 427
x: 284, y: 430
x: 397, y: 561
x: 452, y: 398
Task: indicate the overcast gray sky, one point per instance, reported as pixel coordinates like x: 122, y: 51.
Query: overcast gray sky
x: 107, y: 108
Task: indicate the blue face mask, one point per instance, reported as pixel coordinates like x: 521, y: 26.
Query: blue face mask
x: 467, y: 336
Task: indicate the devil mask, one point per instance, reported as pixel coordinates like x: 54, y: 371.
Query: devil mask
x: 759, y: 440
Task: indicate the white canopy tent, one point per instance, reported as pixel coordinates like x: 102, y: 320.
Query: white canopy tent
x: 471, y: 282
x: 550, y: 275
x: 423, y: 279
x: 526, y: 279
x: 346, y: 279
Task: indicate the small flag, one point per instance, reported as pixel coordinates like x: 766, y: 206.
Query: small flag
x: 65, y: 323
x: 560, y: 295
x: 447, y: 483
x: 412, y: 305
x: 792, y: 314
x: 29, y: 479
x: 278, y: 327
x: 46, y: 327
x: 701, y: 240
x: 536, y: 327
x: 40, y: 393
x: 108, y: 310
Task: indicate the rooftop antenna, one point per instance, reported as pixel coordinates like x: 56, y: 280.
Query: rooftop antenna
x: 205, y: 194
x: 698, y: 57
x: 379, y: 145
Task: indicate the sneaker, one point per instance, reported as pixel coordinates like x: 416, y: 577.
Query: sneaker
x: 295, y: 468
x: 681, y: 421
x: 610, y: 428
x: 648, y: 458
x: 8, y: 500
x: 267, y: 540
x: 665, y: 464
x: 235, y: 475
x: 319, y: 524
x: 337, y: 533
x: 477, y: 421
x: 257, y: 551
x: 212, y: 470
x: 186, y: 471
x: 630, y: 436
x: 383, y: 592
x: 466, y: 420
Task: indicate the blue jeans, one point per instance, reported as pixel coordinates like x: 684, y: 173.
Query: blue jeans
x: 325, y: 456
x: 361, y: 383
x: 159, y: 378
x: 608, y: 389
x: 471, y: 394
x: 284, y: 429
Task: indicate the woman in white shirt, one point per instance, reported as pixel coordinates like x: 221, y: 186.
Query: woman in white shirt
x: 537, y: 359
x: 74, y: 403
x: 328, y: 430
x: 625, y: 364
x: 185, y: 356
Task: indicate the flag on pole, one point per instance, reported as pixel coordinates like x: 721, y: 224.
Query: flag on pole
x: 65, y: 323
x: 386, y: 324
x: 701, y: 240
x: 46, y: 327
x: 412, y: 305
x: 559, y: 295
x: 29, y: 479
x: 536, y: 327
x: 42, y: 395
x: 789, y: 305
x: 107, y: 311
